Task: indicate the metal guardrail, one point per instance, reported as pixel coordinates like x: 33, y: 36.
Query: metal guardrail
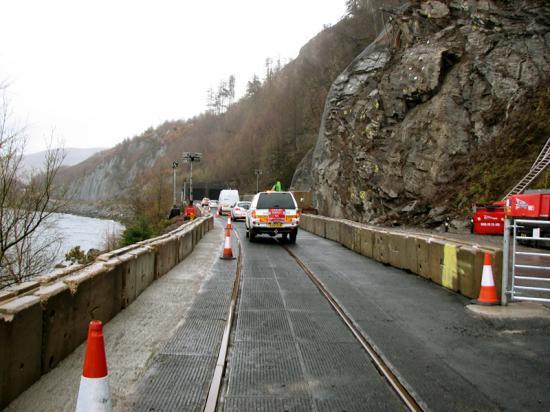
x: 530, y: 280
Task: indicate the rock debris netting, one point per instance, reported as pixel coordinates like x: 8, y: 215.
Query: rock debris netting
x: 410, y: 109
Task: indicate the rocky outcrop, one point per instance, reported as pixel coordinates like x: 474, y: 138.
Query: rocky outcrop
x: 401, y: 122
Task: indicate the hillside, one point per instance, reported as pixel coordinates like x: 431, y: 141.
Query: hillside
x: 447, y: 106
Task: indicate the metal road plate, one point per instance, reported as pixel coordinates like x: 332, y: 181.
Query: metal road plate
x: 268, y: 404
x: 175, y: 383
x: 196, y: 337
x: 260, y: 300
x: 318, y: 327
x: 266, y: 369
x: 304, y: 301
x: 264, y: 326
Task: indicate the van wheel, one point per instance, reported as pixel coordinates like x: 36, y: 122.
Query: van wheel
x: 293, y: 236
x: 252, y: 236
x: 247, y: 233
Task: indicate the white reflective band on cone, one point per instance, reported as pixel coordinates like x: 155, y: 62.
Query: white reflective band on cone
x: 227, y: 243
x: 94, y: 395
x: 487, y: 276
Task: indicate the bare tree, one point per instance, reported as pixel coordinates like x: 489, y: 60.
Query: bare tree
x: 211, y: 101
x: 231, y: 90
x: 25, y: 207
x: 253, y: 86
x: 218, y: 102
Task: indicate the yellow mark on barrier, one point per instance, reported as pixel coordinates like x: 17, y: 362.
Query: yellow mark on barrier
x: 449, y: 277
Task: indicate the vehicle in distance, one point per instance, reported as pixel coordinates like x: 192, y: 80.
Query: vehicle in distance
x: 227, y: 201
x: 205, y: 201
x: 213, y: 203
x: 239, y: 211
x: 273, y: 213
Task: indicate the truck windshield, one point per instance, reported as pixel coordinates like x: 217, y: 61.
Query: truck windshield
x: 275, y: 201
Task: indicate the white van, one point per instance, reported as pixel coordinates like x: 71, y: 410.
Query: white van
x: 227, y: 201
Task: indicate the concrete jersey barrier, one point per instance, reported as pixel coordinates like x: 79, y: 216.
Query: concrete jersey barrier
x: 43, y: 321
x: 453, y: 265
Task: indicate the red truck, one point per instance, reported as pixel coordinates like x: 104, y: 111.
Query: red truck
x: 489, y: 218
x: 532, y: 205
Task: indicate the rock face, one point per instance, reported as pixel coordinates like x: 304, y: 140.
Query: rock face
x: 112, y: 174
x: 405, y: 116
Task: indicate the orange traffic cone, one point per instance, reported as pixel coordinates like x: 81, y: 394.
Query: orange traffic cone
x: 228, y: 222
x: 94, y: 394
x: 488, y: 290
x: 227, y: 252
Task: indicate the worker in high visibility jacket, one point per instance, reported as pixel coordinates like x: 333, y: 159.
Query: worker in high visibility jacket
x: 190, y: 212
x: 277, y: 187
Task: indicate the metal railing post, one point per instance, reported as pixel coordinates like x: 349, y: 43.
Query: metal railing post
x: 514, y: 244
x: 505, y: 261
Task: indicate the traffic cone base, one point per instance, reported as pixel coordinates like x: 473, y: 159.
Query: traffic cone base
x: 487, y: 291
x: 94, y: 391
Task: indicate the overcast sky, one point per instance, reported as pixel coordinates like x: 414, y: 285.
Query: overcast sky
x: 99, y: 71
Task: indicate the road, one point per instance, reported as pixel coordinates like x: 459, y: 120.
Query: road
x: 288, y: 350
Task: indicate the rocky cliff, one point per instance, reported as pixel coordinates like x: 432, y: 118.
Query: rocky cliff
x: 406, y: 122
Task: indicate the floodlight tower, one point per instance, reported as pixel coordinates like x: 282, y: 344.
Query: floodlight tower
x: 190, y: 158
x: 175, y: 165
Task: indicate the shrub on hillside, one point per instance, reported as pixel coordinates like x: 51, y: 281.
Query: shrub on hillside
x: 77, y: 255
x: 139, y: 230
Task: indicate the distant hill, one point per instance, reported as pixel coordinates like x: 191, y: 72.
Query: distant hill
x: 73, y: 156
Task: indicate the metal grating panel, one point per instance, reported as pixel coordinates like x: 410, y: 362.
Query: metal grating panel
x: 306, y: 301
x: 263, y: 273
x: 212, y: 299
x: 294, y: 285
x: 334, y: 359
x: 196, y: 337
x: 219, y: 285
x: 267, y: 404
x: 260, y: 285
x: 175, y: 383
x: 257, y: 269
x: 356, y: 404
x: 260, y: 300
x: 266, y: 369
x: 215, y: 313
x: 320, y: 327
x: 263, y: 325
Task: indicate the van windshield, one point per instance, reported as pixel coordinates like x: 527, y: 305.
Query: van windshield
x: 229, y: 196
x: 275, y: 201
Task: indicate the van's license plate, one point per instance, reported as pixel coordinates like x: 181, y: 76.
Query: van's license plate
x: 275, y: 225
